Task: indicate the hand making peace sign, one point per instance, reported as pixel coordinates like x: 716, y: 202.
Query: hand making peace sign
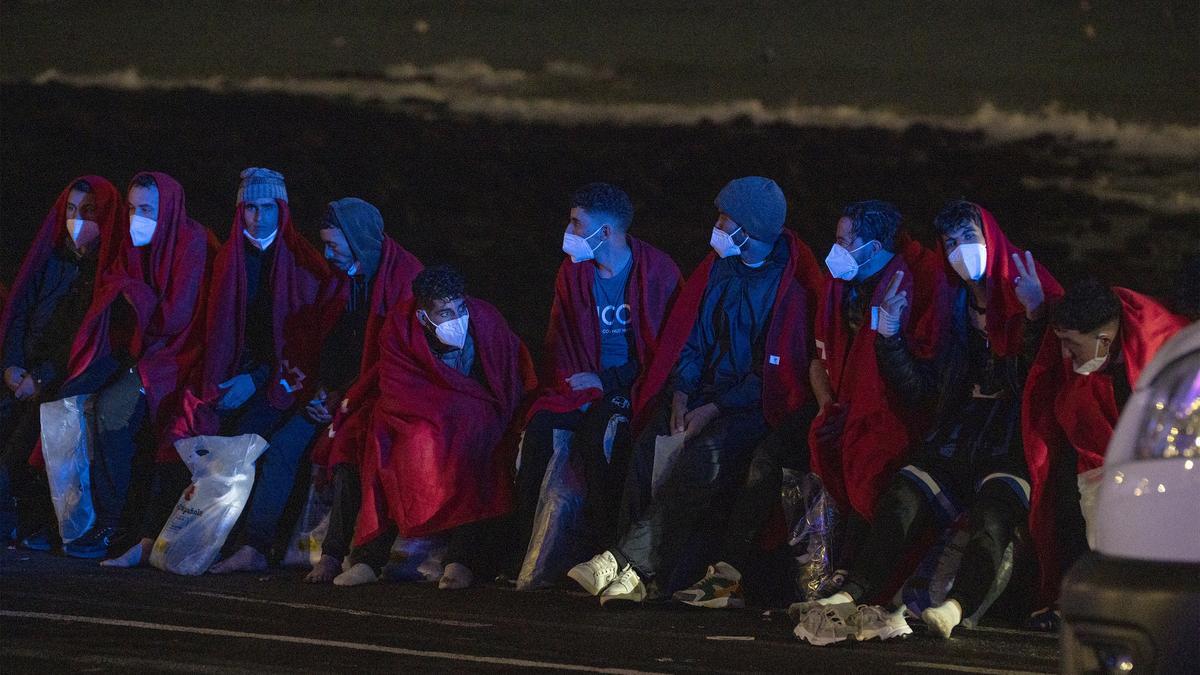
x: 894, y: 302
x: 1027, y: 285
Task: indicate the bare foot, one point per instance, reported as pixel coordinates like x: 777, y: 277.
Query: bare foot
x: 324, y: 571
x: 136, y: 556
x: 246, y: 559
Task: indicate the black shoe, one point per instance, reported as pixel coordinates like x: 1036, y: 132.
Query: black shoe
x: 93, y: 544
x: 44, y: 539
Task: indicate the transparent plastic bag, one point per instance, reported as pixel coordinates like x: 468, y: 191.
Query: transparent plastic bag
x: 65, y: 444
x: 1089, y: 489
x: 555, y: 543
x: 934, y: 577
x: 304, y: 547
x: 812, y: 518
x: 222, y: 476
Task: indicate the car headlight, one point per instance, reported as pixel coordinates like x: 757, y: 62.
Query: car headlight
x: 1171, y: 426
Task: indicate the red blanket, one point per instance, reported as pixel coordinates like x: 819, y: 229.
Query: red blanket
x: 1005, y: 312
x: 440, y: 445
x: 1062, y: 408
x: 573, y: 337
x: 785, y: 373
x: 879, y: 430
x: 167, y: 299
x: 53, y: 232
x: 302, y: 287
x: 391, y: 287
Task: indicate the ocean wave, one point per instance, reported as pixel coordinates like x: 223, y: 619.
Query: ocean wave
x: 474, y: 88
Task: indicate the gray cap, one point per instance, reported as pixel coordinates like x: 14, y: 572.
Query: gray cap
x: 261, y: 184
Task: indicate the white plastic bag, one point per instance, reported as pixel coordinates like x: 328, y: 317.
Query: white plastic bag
x: 1089, y: 488
x: 222, y: 475
x: 65, y: 442
x: 304, y: 548
x: 552, y: 548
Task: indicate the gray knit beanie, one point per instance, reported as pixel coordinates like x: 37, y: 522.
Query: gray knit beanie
x: 756, y: 204
x: 261, y: 184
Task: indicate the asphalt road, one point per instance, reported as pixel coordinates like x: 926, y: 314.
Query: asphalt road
x: 59, y: 615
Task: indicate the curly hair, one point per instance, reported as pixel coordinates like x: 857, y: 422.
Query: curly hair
x: 1085, y: 307
x: 954, y: 214
x: 438, y: 282
x: 607, y: 199
x: 874, y: 220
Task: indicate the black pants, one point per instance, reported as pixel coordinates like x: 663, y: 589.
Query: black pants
x: 784, y: 447
x: 169, y: 481
x: 343, y: 513
x: 694, y: 500
x: 276, y: 476
x: 604, y: 476
x: 905, y: 512
x: 120, y: 410
x: 24, y: 494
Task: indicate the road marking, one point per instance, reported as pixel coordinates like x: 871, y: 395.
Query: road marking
x: 354, y: 612
x: 317, y: 642
x: 969, y: 669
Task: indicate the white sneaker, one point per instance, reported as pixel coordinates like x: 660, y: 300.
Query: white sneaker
x: 596, y: 574
x: 455, y: 576
x: 827, y: 624
x: 358, y: 574
x: 873, y: 621
x: 627, y: 587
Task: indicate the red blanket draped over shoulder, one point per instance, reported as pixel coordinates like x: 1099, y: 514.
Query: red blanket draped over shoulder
x: 391, y: 287
x: 303, y: 289
x: 166, y: 292
x: 1005, y: 313
x: 53, y: 232
x: 1062, y: 408
x: 440, y: 445
x: 879, y: 430
x: 785, y: 373
x: 573, y: 336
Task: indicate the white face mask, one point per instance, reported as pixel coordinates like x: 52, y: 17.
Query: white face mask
x: 969, y: 260
x: 263, y: 243
x: 1093, y: 364
x: 722, y: 242
x: 79, y: 228
x: 578, y: 247
x: 452, y: 333
x: 841, y: 262
x: 141, y: 229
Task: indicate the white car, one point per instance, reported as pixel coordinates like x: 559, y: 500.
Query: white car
x: 1133, y: 604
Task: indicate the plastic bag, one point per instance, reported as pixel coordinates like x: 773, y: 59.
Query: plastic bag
x: 222, y: 476
x: 812, y: 516
x: 304, y: 547
x: 65, y: 443
x: 666, y: 454
x: 556, y: 540
x: 1089, y: 488
x: 934, y: 577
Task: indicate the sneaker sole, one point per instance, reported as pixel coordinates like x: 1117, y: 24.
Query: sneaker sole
x: 585, y: 582
x: 726, y: 602
x: 885, y: 634
x: 821, y: 642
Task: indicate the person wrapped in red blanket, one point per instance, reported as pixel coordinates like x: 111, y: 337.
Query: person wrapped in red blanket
x: 866, y: 428
x: 972, y: 460
x: 1101, y: 340
x: 729, y: 368
x: 379, y: 273
x: 611, y: 298
x: 50, y: 296
x: 138, y: 344
x: 441, y: 436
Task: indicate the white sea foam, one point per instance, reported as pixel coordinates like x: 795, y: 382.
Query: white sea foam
x: 474, y: 88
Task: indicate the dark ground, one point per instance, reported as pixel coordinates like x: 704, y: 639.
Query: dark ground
x: 491, y: 197
x: 61, y: 615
